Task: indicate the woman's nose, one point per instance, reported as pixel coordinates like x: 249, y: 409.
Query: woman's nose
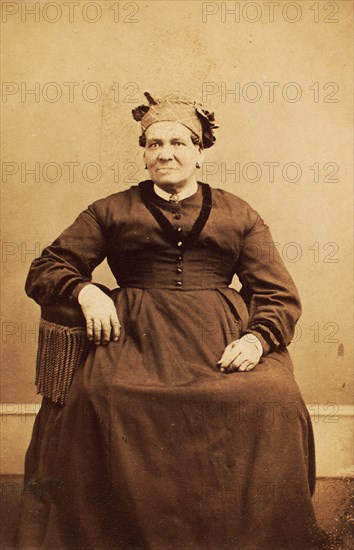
x: 166, y: 153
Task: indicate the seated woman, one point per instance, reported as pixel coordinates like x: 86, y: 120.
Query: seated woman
x: 183, y: 427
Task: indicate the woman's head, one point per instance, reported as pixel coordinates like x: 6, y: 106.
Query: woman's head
x: 174, y: 133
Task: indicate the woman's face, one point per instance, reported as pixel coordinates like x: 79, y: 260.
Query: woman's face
x: 170, y: 155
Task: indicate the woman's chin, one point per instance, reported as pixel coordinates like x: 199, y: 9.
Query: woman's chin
x: 166, y: 176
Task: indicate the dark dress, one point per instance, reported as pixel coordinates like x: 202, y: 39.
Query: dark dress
x: 155, y: 448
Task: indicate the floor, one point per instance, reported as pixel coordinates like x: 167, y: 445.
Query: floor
x: 333, y: 501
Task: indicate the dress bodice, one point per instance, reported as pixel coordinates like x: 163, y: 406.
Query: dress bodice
x: 171, y: 249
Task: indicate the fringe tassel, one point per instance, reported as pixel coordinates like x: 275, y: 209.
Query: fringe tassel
x: 60, y: 351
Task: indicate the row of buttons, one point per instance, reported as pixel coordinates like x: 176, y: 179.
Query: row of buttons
x: 179, y: 270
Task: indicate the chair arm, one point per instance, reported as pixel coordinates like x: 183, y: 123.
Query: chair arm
x: 62, y: 346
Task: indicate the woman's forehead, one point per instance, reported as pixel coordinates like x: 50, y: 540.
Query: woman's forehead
x: 167, y: 130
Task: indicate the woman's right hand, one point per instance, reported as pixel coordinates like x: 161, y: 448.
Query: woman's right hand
x: 102, y: 323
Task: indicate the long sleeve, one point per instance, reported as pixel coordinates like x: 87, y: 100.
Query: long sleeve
x: 267, y: 288
x: 66, y: 266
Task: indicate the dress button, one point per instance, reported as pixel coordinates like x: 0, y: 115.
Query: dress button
x: 177, y: 216
x: 179, y: 270
x: 179, y: 258
x: 179, y: 283
x: 179, y: 243
x: 179, y: 228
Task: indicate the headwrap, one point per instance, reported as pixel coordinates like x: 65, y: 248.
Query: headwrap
x: 177, y: 109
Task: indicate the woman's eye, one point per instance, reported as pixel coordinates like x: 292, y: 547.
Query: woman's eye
x: 178, y: 143
x: 153, y: 145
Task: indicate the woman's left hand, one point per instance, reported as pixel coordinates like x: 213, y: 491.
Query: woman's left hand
x: 242, y: 355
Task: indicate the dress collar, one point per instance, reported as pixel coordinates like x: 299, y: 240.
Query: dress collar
x: 186, y: 192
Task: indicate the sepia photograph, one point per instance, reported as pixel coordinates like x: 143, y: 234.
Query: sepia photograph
x: 176, y: 275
